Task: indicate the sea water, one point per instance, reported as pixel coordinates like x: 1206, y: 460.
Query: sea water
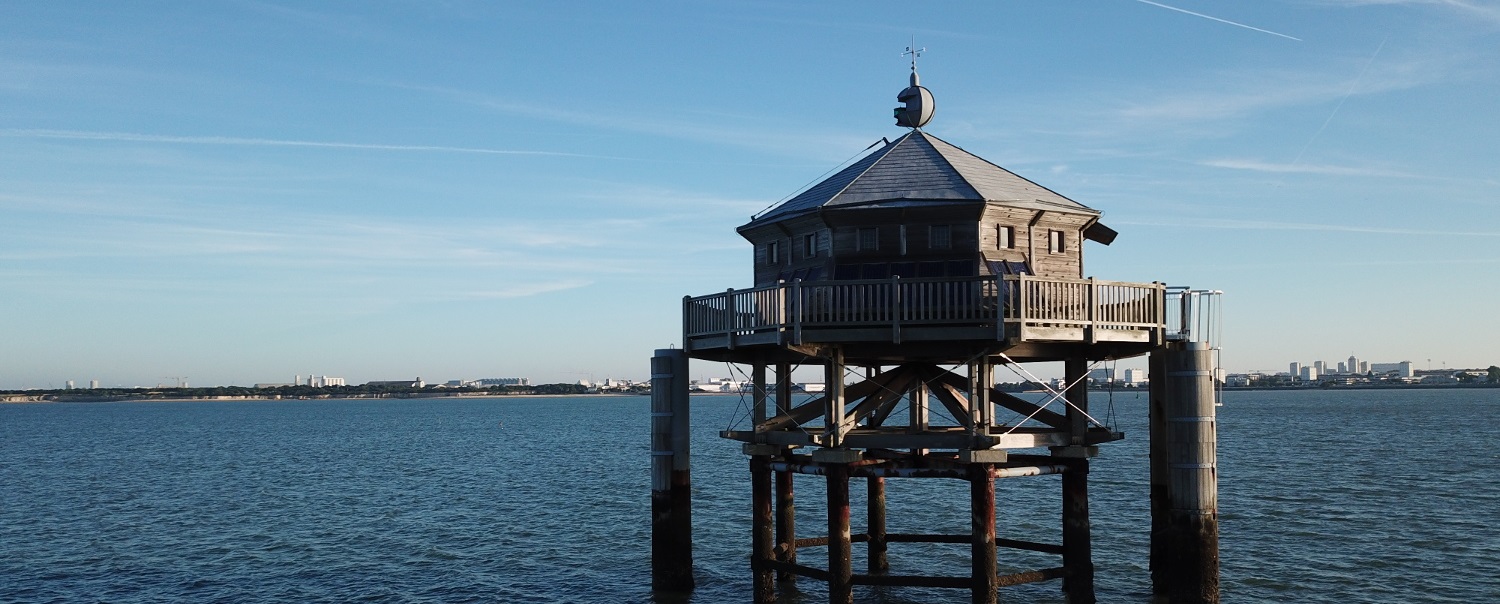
x: 1325, y: 496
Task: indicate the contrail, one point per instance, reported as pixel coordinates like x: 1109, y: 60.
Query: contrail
x: 1188, y: 12
x: 267, y: 142
x: 1336, y: 108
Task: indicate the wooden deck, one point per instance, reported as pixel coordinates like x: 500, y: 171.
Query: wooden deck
x: 887, y: 314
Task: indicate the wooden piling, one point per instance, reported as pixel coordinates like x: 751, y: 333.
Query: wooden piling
x: 786, y: 504
x: 875, y: 525
x: 1191, y: 439
x: 983, y: 558
x: 1075, y: 372
x: 671, y: 474
x: 840, y: 561
x: 786, y: 524
x: 1078, y: 549
x: 1076, y: 539
x: 762, y: 544
x: 835, y: 423
x: 1160, y: 499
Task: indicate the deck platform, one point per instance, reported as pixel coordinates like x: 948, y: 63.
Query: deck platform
x: 934, y: 320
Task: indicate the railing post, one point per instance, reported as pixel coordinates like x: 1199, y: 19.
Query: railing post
x: 729, y: 318
x: 896, y: 304
x: 1000, y: 296
x: 797, y: 312
x: 1023, y: 286
x: 687, y: 320
x: 1093, y: 310
x: 781, y: 309
x: 1160, y: 301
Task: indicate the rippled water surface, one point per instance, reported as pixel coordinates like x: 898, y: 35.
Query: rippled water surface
x: 1353, y: 496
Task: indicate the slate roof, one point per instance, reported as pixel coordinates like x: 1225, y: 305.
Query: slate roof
x: 919, y: 169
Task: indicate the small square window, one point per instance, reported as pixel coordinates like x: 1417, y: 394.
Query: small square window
x: 940, y: 237
x: 869, y: 239
x: 1056, y: 244
x: 809, y: 245
x: 1005, y: 237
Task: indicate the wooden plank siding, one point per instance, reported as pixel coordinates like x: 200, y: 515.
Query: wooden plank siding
x: 904, y: 235
x: 1068, y: 262
x: 996, y: 216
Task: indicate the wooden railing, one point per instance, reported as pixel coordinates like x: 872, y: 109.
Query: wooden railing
x: 895, y: 302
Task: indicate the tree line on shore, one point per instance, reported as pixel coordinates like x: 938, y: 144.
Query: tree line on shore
x: 358, y: 391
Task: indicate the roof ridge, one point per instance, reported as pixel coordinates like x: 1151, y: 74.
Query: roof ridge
x: 965, y: 177
x: 884, y: 153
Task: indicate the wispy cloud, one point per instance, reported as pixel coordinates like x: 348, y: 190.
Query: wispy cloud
x: 1296, y: 168
x: 1246, y: 92
x: 1212, y: 18
x: 268, y: 142
x: 1265, y: 225
x: 750, y: 133
x: 523, y: 290
x: 1487, y: 11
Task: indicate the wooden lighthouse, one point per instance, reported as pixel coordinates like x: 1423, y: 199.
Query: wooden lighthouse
x: 908, y: 277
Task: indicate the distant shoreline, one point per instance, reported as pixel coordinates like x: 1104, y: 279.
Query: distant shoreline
x: 41, y: 399
x: 20, y: 398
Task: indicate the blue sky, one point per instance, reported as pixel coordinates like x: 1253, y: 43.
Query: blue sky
x: 242, y: 191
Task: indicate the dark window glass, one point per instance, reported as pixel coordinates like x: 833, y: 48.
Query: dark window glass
x: 869, y: 239
x: 940, y: 237
x: 904, y: 270
x: 875, y: 270
x: 846, y: 272
x: 930, y: 269
x: 960, y: 268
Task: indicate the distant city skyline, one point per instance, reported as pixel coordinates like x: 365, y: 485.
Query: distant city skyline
x: 239, y: 192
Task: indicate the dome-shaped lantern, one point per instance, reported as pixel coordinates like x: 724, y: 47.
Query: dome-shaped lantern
x: 917, y: 110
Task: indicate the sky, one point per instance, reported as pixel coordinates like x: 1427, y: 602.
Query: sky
x: 240, y: 192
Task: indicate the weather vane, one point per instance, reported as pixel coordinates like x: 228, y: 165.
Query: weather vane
x: 917, y: 101
x: 914, y: 52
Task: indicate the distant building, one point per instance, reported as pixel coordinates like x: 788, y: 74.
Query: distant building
x: 1402, y: 369
x: 1364, y: 366
x: 1343, y: 368
x: 1102, y: 375
x: 510, y: 381
x: 1321, y: 367
x: 1296, y: 370
x: 93, y: 384
x: 417, y: 383
x: 323, y: 381
x: 317, y: 381
x: 1353, y: 364
x: 70, y: 385
x: 1310, y: 373
x: 1135, y: 376
x: 271, y: 385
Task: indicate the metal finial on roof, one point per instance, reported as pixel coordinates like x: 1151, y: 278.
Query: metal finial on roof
x: 914, y: 52
x: 917, y: 100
